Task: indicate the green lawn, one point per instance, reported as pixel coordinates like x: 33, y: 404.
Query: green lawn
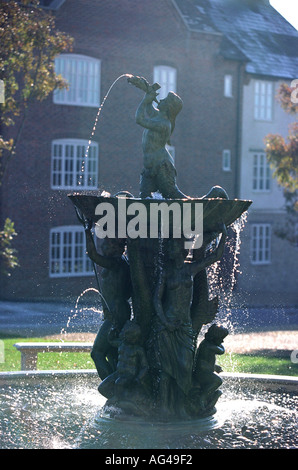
x: 254, y: 364
x: 63, y: 361
x: 46, y: 361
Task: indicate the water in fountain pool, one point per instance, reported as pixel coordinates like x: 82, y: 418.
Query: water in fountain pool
x: 70, y: 416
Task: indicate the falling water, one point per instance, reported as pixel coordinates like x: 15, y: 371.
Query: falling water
x: 127, y: 75
x: 216, y: 276
x: 79, y: 311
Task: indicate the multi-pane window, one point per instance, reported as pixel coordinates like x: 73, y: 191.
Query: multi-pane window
x: 72, y: 166
x: 261, y: 173
x: 228, y: 86
x: 167, y: 78
x: 263, y: 100
x: 83, y: 76
x: 68, y: 252
x: 260, y: 250
x: 226, y: 160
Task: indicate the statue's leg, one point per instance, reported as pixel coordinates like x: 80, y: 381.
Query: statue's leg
x: 147, y: 184
x: 209, y: 382
x: 107, y: 387
x: 100, y: 350
x: 141, y: 299
x: 166, y: 182
x: 163, y: 394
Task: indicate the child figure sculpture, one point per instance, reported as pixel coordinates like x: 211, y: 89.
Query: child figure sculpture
x: 205, y: 373
x: 159, y: 173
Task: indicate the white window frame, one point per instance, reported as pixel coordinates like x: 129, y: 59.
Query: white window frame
x: 67, y: 253
x: 228, y: 86
x: 226, y: 160
x: 260, y: 244
x: 69, y: 158
x: 261, y: 173
x: 83, y: 75
x: 263, y: 100
x: 166, y: 76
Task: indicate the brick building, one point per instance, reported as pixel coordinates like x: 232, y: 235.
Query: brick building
x: 177, y: 43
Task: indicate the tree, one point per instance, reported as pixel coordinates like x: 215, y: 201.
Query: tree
x: 282, y: 154
x: 7, y: 254
x: 29, y: 43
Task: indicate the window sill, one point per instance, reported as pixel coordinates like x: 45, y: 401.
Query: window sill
x: 79, y: 105
x: 64, y: 275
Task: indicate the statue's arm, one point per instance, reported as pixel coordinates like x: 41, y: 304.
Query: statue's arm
x: 97, y: 258
x: 218, y: 252
x: 146, y: 114
x: 212, y: 257
x: 220, y: 349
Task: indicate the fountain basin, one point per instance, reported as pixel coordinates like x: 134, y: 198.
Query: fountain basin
x: 215, y: 210
x: 62, y: 409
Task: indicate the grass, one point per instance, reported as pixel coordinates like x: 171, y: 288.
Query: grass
x: 45, y: 361
x: 63, y: 361
x: 253, y: 364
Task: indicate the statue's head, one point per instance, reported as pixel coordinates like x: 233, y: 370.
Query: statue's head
x: 172, y: 106
x: 131, y: 333
x: 113, y: 247
x: 216, y: 333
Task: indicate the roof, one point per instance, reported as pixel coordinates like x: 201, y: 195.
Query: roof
x: 252, y: 30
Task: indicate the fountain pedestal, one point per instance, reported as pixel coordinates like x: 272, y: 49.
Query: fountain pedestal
x: 155, y: 369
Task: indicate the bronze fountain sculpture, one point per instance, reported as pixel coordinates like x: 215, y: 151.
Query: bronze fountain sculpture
x: 155, y: 288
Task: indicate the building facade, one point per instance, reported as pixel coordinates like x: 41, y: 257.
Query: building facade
x: 189, y: 47
x: 110, y: 40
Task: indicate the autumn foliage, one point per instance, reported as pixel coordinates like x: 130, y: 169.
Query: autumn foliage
x: 283, y: 156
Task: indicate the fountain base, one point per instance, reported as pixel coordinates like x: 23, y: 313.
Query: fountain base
x: 63, y: 410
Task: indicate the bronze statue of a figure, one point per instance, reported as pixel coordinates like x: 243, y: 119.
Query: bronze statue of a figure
x: 116, y: 292
x: 155, y: 291
x: 205, y: 375
x: 129, y: 387
x: 159, y: 172
x: 173, y: 333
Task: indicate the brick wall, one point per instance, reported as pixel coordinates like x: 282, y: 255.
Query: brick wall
x: 128, y: 37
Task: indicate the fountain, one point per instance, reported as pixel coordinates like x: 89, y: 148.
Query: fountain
x: 159, y: 384
x: 155, y: 251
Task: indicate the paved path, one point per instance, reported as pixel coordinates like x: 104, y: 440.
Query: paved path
x: 40, y: 319
x: 273, y: 343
